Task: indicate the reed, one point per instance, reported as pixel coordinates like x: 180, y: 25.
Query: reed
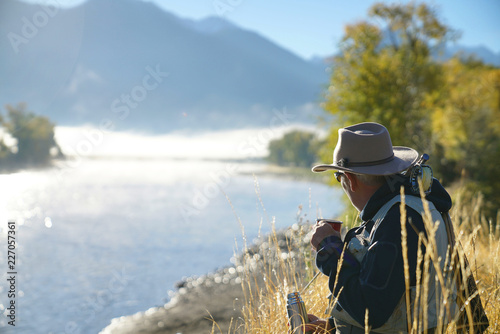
x: 283, y: 263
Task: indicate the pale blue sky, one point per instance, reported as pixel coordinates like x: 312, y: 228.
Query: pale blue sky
x: 315, y: 27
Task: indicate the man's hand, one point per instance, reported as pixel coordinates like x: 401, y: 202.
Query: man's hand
x: 318, y: 325
x: 320, y: 231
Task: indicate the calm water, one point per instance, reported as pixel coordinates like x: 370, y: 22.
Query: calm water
x: 102, y: 238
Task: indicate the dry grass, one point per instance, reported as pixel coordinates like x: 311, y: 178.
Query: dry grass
x: 283, y: 263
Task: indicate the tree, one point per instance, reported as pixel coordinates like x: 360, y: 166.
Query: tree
x: 385, y: 74
x: 466, y: 124
x: 450, y: 109
x: 34, y: 135
x: 296, y: 148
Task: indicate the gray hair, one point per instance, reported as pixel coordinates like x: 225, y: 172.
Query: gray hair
x: 372, y: 180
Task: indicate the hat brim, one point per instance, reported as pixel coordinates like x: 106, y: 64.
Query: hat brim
x: 404, y: 158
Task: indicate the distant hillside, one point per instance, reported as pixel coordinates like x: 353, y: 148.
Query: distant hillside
x: 481, y: 52
x: 144, y: 68
x: 132, y: 63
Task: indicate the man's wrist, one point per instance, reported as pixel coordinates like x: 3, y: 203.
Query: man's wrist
x: 329, y: 240
x: 328, y: 247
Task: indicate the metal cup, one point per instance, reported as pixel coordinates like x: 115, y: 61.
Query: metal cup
x: 335, y: 224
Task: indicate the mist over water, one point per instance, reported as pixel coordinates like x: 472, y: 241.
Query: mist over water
x: 103, y: 235
x: 223, y: 144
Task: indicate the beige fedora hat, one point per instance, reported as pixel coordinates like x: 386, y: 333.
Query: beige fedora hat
x: 366, y: 148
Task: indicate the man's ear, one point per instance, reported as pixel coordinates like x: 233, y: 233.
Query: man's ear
x: 353, y: 181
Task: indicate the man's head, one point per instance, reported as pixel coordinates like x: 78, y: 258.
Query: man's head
x: 358, y: 187
x: 365, y: 156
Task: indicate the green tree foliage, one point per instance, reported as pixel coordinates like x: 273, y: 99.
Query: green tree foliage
x: 34, y: 135
x: 296, y: 148
x: 450, y: 109
x: 387, y: 79
x: 466, y: 126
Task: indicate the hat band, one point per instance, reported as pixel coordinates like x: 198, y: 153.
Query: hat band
x: 346, y: 163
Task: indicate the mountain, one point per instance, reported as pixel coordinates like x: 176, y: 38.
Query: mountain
x: 131, y: 63
x: 449, y: 50
x: 480, y: 52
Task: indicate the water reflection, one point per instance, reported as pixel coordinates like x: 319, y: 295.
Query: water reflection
x: 81, y: 228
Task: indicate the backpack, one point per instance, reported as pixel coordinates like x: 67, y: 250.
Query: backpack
x: 468, y: 298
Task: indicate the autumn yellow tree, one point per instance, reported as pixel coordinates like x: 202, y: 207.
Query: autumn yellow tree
x: 466, y: 127
x: 385, y: 72
x: 388, y: 73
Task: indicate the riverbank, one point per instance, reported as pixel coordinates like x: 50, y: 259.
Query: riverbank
x: 214, y: 302
x: 199, y: 304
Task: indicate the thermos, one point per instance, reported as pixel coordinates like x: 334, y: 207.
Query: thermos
x: 297, y: 314
x: 295, y: 307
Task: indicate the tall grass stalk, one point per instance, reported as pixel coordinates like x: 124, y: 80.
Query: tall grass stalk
x: 283, y: 263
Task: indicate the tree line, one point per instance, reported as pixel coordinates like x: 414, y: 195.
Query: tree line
x: 27, y: 139
x: 388, y: 71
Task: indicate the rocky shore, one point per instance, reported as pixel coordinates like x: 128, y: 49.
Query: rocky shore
x: 213, y: 301
x: 199, y: 304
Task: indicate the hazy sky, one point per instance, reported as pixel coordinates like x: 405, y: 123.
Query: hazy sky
x: 315, y: 27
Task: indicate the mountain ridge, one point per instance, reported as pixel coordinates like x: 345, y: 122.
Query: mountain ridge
x: 86, y: 57
x: 94, y: 62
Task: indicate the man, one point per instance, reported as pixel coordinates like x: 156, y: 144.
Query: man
x: 369, y: 281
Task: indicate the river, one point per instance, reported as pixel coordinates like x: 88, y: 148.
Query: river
x: 102, y: 237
